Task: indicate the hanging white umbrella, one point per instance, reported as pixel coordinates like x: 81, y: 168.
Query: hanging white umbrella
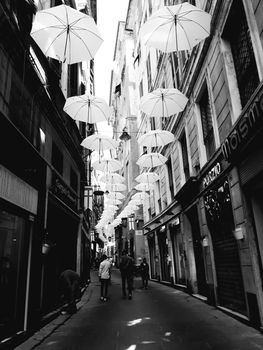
x: 87, y: 108
x: 140, y: 196
x: 136, y: 201
x: 115, y: 187
x: 112, y: 178
x: 144, y: 187
x: 176, y: 28
x: 110, y: 207
x: 163, y: 102
x: 155, y: 138
x: 113, y: 201
x: 98, y: 142
x: 147, y: 177
x: 151, y: 160
x: 66, y: 34
x: 115, y: 195
x: 107, y: 165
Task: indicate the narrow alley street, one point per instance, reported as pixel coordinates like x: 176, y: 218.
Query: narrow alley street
x: 158, y: 318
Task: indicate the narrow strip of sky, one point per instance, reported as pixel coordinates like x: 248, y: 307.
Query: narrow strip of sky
x: 109, y: 13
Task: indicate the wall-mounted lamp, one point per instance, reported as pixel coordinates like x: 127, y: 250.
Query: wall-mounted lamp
x: 205, y: 242
x: 125, y: 136
x: 239, y: 233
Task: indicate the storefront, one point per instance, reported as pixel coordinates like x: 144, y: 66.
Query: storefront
x: 178, y: 252
x: 18, y: 207
x: 165, y: 258
x: 154, y: 258
x: 243, y: 149
x: 192, y: 216
x: 63, y: 222
x: 219, y: 215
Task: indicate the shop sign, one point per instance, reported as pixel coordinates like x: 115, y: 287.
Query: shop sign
x: 138, y: 232
x: 18, y: 192
x: 245, y: 127
x: 63, y: 192
x: 212, y: 175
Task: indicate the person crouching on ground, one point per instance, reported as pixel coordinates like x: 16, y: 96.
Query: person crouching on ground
x: 70, y: 288
x: 104, y: 276
x: 127, y: 271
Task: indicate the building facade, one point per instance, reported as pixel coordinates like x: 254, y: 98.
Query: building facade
x: 202, y: 224
x: 44, y: 224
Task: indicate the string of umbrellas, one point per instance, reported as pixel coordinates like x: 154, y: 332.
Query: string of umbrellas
x: 71, y: 36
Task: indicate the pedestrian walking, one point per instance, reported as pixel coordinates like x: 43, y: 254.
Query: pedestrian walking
x: 70, y: 288
x: 144, y: 270
x: 127, y: 271
x: 104, y: 276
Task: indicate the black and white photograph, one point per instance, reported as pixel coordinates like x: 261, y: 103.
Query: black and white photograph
x: 131, y: 174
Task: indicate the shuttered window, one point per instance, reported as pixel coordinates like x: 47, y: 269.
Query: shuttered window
x: 207, y: 124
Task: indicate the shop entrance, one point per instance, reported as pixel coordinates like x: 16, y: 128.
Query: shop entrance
x: 152, y: 252
x: 165, y: 260
x: 179, y: 254
x: 62, y: 232
x: 192, y: 215
x: 14, y: 240
x: 230, y: 289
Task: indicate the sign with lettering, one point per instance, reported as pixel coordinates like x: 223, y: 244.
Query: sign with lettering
x: 212, y: 175
x: 245, y: 127
x: 63, y: 192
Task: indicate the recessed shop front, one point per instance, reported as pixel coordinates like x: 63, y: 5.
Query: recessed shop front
x: 18, y: 207
x: 179, y: 252
x: 165, y: 259
x: 62, y: 226
x: 220, y: 221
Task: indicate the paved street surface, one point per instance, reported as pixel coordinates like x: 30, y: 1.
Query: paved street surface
x: 158, y: 318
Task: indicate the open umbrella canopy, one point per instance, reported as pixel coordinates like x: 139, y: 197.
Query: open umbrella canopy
x: 66, y: 34
x: 98, y: 142
x: 144, y: 187
x: 112, y: 178
x: 155, y: 138
x: 87, y: 108
x: 147, y: 177
x: 115, y: 187
x: 115, y: 195
x: 151, y: 160
x: 176, y: 28
x: 163, y: 102
x: 113, y: 201
x: 107, y: 165
x: 141, y: 196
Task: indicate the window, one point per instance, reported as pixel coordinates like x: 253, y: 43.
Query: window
x: 149, y: 75
x: 170, y: 176
x: 175, y: 70
x: 185, y: 156
x: 150, y: 7
x: 152, y: 123
x: 57, y: 158
x: 238, y: 36
x: 207, y: 124
x: 73, y: 180
x: 141, y: 89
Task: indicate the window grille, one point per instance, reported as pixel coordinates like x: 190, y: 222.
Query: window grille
x: 242, y: 52
x: 207, y: 124
x: 185, y: 156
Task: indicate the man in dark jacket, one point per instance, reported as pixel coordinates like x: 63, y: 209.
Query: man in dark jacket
x: 127, y: 270
x: 70, y: 288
